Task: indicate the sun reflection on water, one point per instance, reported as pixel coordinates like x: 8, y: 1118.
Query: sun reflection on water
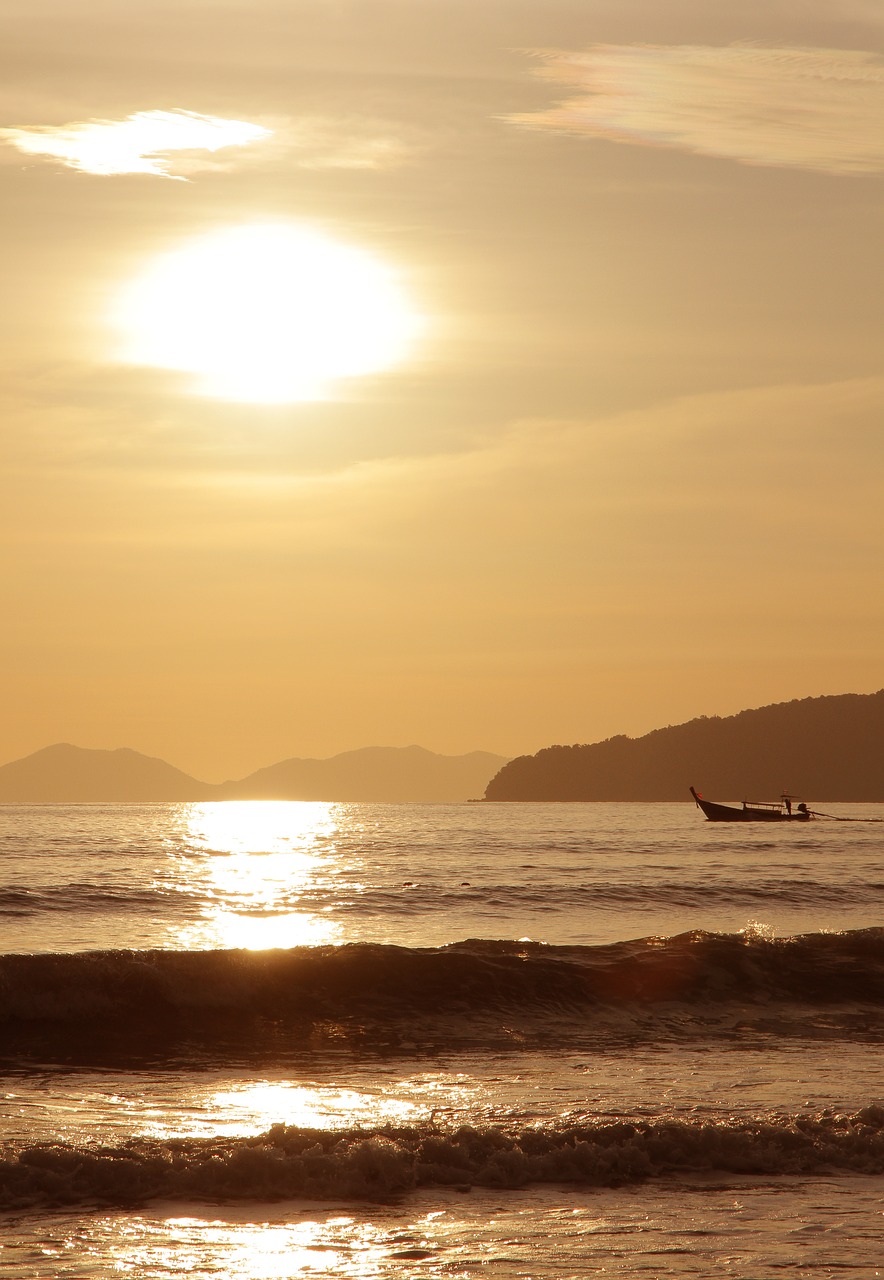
x: 202, y: 1247
x: 253, y: 1107
x: 254, y: 861
x: 260, y: 826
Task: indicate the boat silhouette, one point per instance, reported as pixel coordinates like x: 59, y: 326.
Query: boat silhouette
x: 787, y: 809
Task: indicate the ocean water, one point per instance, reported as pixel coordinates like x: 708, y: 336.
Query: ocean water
x: 282, y: 1039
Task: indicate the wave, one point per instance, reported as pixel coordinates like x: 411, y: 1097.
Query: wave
x: 233, y: 1005
x: 19, y: 900
x: 288, y: 1162
x: 415, y: 898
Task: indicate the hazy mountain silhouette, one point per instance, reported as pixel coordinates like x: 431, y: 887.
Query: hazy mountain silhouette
x: 829, y: 748
x: 81, y: 775
x: 372, y: 774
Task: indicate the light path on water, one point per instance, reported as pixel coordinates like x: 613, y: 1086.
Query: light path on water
x: 679, y: 1229
x: 261, y: 874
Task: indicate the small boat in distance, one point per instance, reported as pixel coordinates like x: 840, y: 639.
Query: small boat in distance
x: 755, y: 810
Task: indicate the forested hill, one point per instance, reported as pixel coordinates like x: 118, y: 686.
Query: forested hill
x: 828, y: 748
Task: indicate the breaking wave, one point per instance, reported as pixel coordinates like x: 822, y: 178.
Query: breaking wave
x: 109, y: 1005
x: 288, y: 1162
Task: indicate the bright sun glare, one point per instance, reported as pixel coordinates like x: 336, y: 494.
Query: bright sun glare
x: 269, y: 313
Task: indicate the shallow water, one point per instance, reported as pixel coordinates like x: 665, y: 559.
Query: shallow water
x: 672, y: 1229
x: 634, y: 1068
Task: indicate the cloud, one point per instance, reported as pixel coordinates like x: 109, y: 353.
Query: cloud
x: 817, y: 109
x: 743, y: 485
x: 326, y: 142
x: 141, y: 143
x: 155, y: 142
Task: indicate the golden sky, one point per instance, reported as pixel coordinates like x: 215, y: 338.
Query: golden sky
x: 477, y: 373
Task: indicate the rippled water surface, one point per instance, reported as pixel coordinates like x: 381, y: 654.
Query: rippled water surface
x: 511, y: 1040
x: 279, y: 874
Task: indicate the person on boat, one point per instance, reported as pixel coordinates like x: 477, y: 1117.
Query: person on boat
x: 788, y: 800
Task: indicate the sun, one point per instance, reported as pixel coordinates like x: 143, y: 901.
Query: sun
x: 266, y: 313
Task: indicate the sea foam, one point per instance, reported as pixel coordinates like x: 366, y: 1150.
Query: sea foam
x: 288, y: 1162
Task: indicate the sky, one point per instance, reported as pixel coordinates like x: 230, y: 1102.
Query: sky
x: 482, y: 374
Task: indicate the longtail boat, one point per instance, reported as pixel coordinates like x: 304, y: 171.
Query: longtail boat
x: 781, y: 810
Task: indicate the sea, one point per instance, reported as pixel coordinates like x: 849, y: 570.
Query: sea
x: 267, y: 1040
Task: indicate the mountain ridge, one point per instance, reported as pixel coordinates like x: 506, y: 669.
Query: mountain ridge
x: 371, y: 774
x: 826, y: 748
x: 64, y: 773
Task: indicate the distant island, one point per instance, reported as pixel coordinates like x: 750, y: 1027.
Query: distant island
x: 829, y: 748
x: 77, y: 775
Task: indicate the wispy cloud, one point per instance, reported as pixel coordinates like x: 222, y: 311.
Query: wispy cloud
x: 142, y: 143
x: 328, y: 142
x: 172, y: 144
x: 817, y: 109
